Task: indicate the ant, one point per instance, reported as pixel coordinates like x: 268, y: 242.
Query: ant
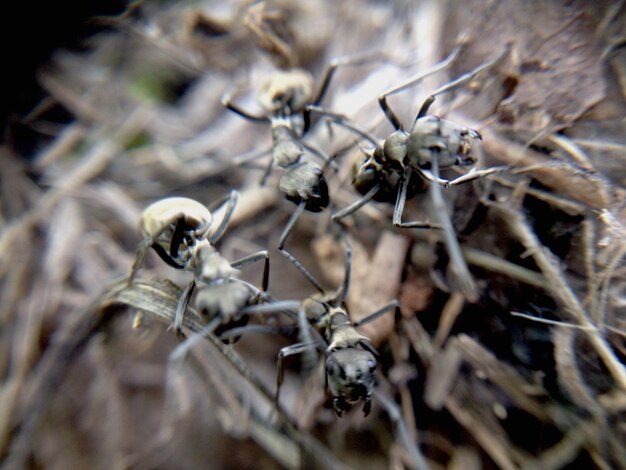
x: 286, y: 94
x: 350, y: 358
x: 179, y: 230
x: 388, y: 172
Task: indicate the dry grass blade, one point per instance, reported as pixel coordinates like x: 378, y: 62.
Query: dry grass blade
x: 530, y: 373
x: 562, y: 291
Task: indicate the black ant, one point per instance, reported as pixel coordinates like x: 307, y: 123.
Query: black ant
x: 387, y: 173
x: 285, y: 95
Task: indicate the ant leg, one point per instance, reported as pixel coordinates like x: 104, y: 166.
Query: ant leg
x: 251, y: 156
x: 262, y: 329
x: 227, y: 102
x: 281, y: 244
x: 177, y: 236
x: 457, y: 261
x: 394, y: 413
x: 474, y: 174
x: 304, y: 327
x: 393, y: 305
x: 253, y: 258
x: 343, y: 121
x: 360, y: 59
x: 459, y: 82
x: 382, y: 99
x: 266, y: 173
x: 355, y: 206
x: 342, y: 294
x: 327, y: 161
x: 183, y: 301
x: 283, y: 353
x: 428, y: 176
x: 291, y: 307
x: 401, y: 202
x: 143, y: 247
x: 231, y: 203
x: 294, y: 310
x: 177, y: 357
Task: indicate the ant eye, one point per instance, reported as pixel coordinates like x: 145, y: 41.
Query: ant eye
x: 372, y: 365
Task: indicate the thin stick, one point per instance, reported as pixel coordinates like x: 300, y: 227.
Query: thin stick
x: 562, y: 291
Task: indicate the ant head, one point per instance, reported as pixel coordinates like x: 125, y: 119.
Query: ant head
x: 286, y: 92
x: 305, y: 182
x: 367, y: 169
x: 174, y: 224
x: 434, y: 137
x: 350, y: 378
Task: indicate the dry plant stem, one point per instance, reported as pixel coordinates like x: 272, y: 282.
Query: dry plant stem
x: 394, y: 413
x: 566, y: 205
x: 158, y: 299
x: 507, y: 378
x: 589, y: 256
x: 496, y: 446
x: 276, y: 444
x: 567, y: 449
x: 90, y: 166
x: 598, y: 145
x: 568, y: 372
x: 245, y: 422
x: 562, y: 291
x: 405, y: 394
x: 605, y: 282
x: 71, y: 99
x: 67, y: 140
x: 465, y: 458
x: 501, y: 266
x: 584, y: 187
x: 419, y: 338
x: 442, y: 375
x: 452, y: 309
x: 462, y: 280
x: 572, y: 149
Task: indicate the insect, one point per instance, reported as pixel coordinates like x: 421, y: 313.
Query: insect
x: 180, y: 231
x: 283, y: 97
x: 350, y: 359
x: 396, y: 167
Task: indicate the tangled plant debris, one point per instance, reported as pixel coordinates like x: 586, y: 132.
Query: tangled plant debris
x: 524, y: 370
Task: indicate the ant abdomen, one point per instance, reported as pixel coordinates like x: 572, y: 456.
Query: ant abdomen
x: 305, y: 182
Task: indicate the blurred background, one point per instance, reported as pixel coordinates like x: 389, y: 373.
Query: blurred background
x: 110, y: 106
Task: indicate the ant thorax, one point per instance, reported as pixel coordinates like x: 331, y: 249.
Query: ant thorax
x: 286, y: 149
x: 340, y: 333
x: 208, y: 265
x: 289, y: 91
x: 449, y: 141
